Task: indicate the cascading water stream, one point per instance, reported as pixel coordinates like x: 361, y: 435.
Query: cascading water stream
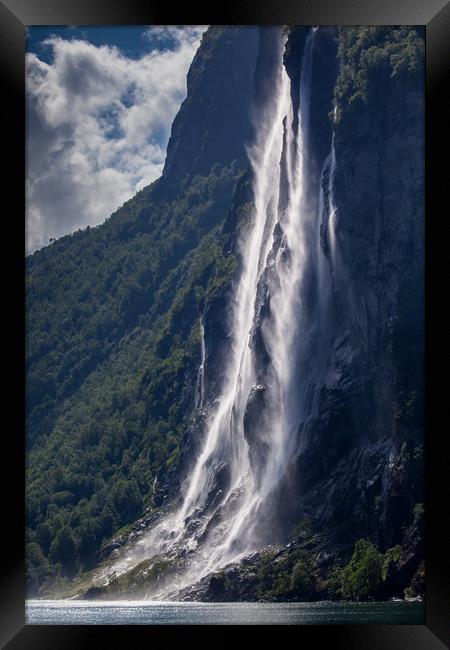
x: 280, y: 422
x: 200, y: 388
x: 277, y: 249
x: 224, y: 436
x: 332, y: 209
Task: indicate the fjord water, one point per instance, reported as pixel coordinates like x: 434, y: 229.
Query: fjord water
x: 218, y: 521
x: 63, y: 612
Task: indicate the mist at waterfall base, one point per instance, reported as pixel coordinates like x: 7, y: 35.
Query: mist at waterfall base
x: 280, y: 308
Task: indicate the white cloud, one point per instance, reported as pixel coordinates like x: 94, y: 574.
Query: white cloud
x: 174, y: 34
x: 97, y: 127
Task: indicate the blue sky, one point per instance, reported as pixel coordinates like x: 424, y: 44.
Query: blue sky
x: 100, y: 104
x: 132, y: 40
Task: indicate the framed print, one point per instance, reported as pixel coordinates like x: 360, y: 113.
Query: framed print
x: 232, y: 329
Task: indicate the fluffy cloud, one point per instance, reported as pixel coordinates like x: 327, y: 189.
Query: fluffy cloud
x: 97, y: 126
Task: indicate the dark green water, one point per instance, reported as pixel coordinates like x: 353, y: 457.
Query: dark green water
x: 64, y: 612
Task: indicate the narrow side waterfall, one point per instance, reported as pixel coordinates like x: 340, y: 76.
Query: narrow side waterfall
x: 277, y: 350
x: 328, y: 175
x: 200, y: 388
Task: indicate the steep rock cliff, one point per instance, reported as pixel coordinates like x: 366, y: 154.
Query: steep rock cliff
x: 367, y: 444
x: 213, y: 124
x: 113, y: 426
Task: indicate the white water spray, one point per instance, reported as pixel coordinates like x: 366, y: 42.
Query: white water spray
x: 332, y: 209
x: 200, y: 388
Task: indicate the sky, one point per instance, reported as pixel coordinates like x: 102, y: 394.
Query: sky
x: 100, y: 105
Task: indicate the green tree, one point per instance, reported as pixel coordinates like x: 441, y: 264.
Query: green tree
x: 36, y: 565
x: 63, y: 548
x: 303, y: 579
x: 44, y: 536
x: 127, y: 499
x: 90, y: 535
x: 362, y: 577
x: 391, y: 557
x: 107, y: 521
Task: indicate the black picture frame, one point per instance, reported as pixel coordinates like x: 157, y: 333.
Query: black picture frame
x: 435, y: 16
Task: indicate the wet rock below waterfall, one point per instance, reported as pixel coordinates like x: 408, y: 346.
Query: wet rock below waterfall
x: 254, y: 427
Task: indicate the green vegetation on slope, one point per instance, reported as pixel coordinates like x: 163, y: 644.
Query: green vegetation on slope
x: 371, y: 57
x: 113, y: 321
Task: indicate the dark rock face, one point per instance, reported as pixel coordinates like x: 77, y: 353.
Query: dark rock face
x: 352, y: 475
x: 418, y: 581
x: 324, y: 72
x: 409, y: 568
x: 360, y: 472
x: 253, y: 426
x: 213, y: 123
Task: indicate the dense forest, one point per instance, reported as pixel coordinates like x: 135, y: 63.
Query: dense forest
x: 117, y: 368
x: 113, y: 333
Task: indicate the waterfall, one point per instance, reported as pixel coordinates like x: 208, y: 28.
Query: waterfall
x: 220, y: 513
x: 331, y: 203
x: 284, y: 267
x: 200, y: 387
x: 328, y: 207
